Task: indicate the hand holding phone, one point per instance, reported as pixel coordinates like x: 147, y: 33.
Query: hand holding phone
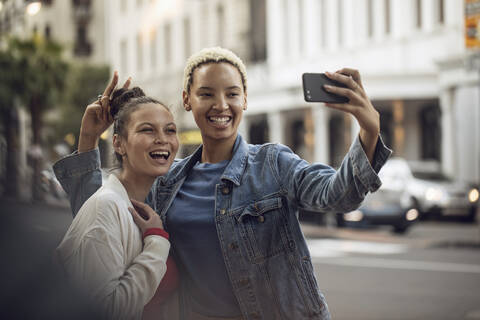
x: 313, y: 90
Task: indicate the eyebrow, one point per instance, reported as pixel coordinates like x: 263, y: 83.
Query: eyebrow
x: 150, y: 124
x: 210, y: 88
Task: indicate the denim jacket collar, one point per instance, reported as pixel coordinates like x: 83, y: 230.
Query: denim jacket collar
x: 232, y: 173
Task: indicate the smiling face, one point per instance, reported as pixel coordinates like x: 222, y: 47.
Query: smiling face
x: 150, y: 142
x: 217, y: 101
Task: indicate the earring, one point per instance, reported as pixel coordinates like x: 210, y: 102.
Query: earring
x: 187, y: 107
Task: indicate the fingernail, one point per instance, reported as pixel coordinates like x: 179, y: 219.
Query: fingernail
x: 327, y: 73
x: 326, y: 86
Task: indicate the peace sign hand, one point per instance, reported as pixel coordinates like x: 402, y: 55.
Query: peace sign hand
x: 359, y: 106
x: 97, y: 118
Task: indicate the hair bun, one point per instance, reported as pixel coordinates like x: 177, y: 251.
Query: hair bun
x: 121, y: 97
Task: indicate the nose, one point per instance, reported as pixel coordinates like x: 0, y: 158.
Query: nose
x: 160, y: 138
x: 221, y: 104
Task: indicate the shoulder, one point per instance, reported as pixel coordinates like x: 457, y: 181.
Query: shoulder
x: 271, y: 150
x: 103, y: 209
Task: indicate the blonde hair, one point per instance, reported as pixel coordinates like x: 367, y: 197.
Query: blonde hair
x: 215, y: 55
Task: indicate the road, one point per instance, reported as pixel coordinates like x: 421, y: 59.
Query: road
x: 432, y: 272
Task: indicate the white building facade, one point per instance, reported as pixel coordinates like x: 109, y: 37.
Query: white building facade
x: 410, y: 53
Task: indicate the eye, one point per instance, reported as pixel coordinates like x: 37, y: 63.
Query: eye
x: 205, y: 94
x: 172, y: 130
x: 233, y: 94
x: 146, y: 130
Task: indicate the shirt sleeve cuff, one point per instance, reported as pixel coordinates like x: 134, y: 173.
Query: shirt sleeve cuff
x: 157, y: 232
x: 77, y: 164
x: 368, y: 173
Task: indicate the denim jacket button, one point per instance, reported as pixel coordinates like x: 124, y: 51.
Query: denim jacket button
x: 233, y: 246
x: 261, y: 219
x: 222, y: 211
x: 225, y: 190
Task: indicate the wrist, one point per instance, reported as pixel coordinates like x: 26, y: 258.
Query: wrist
x: 87, y: 142
x: 157, y: 232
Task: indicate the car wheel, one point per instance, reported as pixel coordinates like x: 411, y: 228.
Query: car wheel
x: 472, y: 215
x: 400, y: 228
x: 340, y: 220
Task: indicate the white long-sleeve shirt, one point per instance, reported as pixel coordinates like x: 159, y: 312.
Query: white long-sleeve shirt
x: 103, y: 252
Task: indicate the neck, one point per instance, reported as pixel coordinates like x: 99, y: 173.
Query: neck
x: 214, y: 151
x: 137, y: 186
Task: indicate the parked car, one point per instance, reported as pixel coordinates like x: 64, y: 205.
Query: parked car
x: 391, y: 205
x: 434, y: 193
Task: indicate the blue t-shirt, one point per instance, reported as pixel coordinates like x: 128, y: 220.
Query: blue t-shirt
x: 193, y: 235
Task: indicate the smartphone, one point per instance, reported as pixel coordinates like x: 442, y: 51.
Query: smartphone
x: 313, y: 90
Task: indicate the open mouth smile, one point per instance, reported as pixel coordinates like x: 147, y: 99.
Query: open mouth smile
x: 159, y: 155
x: 220, y: 120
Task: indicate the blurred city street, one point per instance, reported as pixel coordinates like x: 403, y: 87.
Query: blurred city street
x: 400, y: 255
x: 432, y: 272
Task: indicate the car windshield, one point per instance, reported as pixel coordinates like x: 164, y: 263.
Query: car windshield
x: 426, y: 175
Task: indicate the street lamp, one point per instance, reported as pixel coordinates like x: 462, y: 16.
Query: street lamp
x: 33, y: 8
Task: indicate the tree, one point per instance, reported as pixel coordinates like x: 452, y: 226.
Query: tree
x: 9, y: 80
x: 83, y: 84
x: 42, y: 74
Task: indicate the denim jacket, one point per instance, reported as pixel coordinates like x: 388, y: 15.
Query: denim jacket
x: 256, y: 216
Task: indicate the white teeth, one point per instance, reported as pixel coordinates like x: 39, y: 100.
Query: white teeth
x: 164, y: 154
x: 219, y: 119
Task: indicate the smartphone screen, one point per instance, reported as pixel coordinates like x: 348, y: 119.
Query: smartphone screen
x: 313, y: 90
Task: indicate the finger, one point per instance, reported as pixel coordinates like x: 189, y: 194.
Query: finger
x: 341, y: 106
x: 344, y: 79
x: 138, y: 215
x: 344, y: 92
x: 109, y: 89
x: 127, y: 83
x: 143, y: 208
x: 137, y: 218
x: 354, y: 73
x: 110, y: 117
x: 105, y: 103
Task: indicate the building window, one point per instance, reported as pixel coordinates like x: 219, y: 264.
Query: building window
x: 430, y: 118
x: 440, y: 12
x: 340, y: 21
x: 387, y: 17
x: 286, y: 29
x: 301, y: 25
x: 258, y: 132
x: 221, y: 25
x: 323, y: 23
x: 167, y: 41
x: 187, y: 41
x: 82, y: 46
x: 48, y: 32
x: 123, y: 5
x: 124, y: 57
x: 153, y: 49
x: 419, y: 14
x: 370, y: 18
x: 258, y: 31
x: 139, y: 53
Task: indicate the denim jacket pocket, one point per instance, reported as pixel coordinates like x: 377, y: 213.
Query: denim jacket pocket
x: 264, y: 230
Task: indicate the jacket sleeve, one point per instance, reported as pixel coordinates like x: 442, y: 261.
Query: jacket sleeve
x: 319, y: 187
x: 80, y: 176
x: 98, y: 265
